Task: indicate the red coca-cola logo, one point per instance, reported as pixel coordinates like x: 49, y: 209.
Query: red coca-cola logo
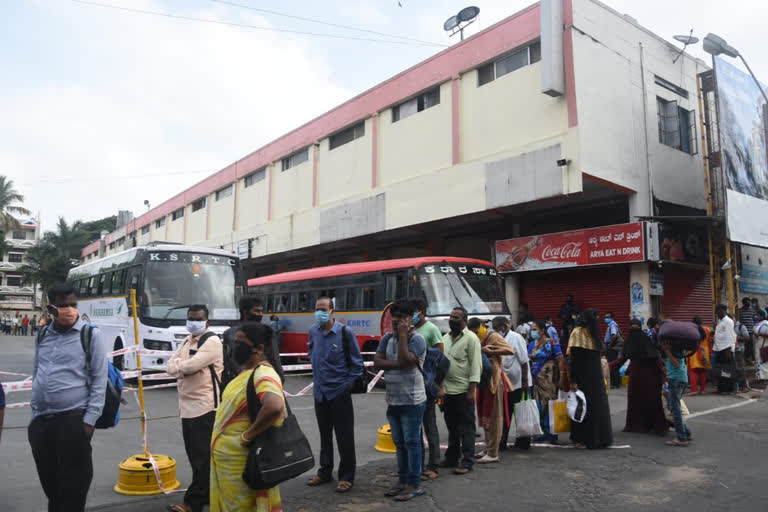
x: 567, y: 251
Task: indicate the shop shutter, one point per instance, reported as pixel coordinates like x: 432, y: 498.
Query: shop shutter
x: 604, y: 288
x: 687, y: 293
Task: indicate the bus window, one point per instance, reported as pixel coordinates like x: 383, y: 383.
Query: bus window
x: 82, y: 288
x: 303, y: 304
x: 369, y: 298
x: 339, y: 300
x: 102, y: 280
x: 92, y: 286
x: 354, y: 298
x: 282, y: 303
x: 117, y: 281
x: 396, y: 287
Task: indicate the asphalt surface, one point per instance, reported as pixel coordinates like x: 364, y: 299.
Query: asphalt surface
x: 723, y: 469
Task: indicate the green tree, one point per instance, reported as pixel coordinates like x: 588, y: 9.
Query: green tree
x: 68, y: 239
x: 8, y: 209
x: 44, y: 265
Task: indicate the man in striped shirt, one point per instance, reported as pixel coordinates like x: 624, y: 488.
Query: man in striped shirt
x: 747, y: 318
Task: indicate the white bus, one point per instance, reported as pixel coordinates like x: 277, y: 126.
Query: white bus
x: 167, y: 279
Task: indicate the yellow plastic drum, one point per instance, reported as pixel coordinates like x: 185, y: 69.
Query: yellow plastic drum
x: 385, y: 443
x: 136, y: 477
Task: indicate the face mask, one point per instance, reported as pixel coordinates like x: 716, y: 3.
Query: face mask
x: 322, y: 317
x: 416, y: 318
x: 608, y: 320
x: 195, y: 327
x: 66, y: 316
x: 243, y: 353
x: 455, y: 326
x: 535, y: 335
x: 256, y: 318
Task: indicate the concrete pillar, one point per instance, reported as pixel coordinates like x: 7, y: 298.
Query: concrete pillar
x: 639, y: 288
x: 512, y: 296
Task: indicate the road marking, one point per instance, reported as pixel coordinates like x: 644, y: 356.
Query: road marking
x: 723, y: 408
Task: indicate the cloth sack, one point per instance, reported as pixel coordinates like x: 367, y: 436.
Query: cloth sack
x: 577, y: 405
x: 527, y: 417
x: 559, y: 421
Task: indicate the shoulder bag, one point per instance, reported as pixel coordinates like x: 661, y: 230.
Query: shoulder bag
x: 277, y: 454
x: 361, y: 383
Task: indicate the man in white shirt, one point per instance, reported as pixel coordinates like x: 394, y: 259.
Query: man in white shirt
x: 518, y: 370
x: 723, y: 345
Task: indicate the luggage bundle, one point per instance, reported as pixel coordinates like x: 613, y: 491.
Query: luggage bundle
x: 681, y: 335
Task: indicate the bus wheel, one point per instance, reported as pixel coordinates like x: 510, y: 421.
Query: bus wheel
x: 118, y: 361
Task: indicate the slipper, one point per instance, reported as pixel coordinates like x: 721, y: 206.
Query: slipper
x: 394, y: 491
x: 676, y: 443
x: 409, y: 495
x: 343, y: 486
x: 178, y: 508
x: 461, y: 471
x: 316, y: 480
x: 429, y: 475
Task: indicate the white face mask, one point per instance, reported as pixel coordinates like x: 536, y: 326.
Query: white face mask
x: 195, y: 327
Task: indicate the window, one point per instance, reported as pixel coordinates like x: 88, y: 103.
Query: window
x: 13, y: 280
x: 348, y: 135
x: 117, y: 281
x: 19, y: 235
x: 255, y: 177
x: 92, y: 283
x: 224, y: 192
x: 121, y: 240
x: 103, y: 285
x: 82, y: 287
x: 295, y: 159
x: 177, y: 214
x: 421, y: 102
x: 15, y: 257
x: 160, y: 222
x: 670, y: 86
x: 112, y: 245
x: 677, y: 126
x: 199, y: 204
x: 509, y: 63
x: 145, y: 229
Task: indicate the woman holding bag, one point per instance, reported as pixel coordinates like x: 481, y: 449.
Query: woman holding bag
x: 233, y: 430
x: 545, y: 357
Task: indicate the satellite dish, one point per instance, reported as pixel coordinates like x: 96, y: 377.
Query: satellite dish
x: 468, y: 13
x: 686, y: 40
x: 451, y: 23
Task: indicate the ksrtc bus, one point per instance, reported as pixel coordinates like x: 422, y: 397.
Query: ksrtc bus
x: 167, y: 279
x: 361, y: 291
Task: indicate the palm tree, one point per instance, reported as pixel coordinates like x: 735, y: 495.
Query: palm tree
x: 67, y: 239
x: 8, y: 196
x: 44, y: 265
x: 4, y: 245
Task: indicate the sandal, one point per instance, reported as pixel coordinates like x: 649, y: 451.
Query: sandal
x: 461, y: 471
x: 677, y: 443
x: 429, y: 475
x: 343, y: 486
x: 178, y: 508
x: 316, y: 480
x: 409, y: 495
x: 394, y: 491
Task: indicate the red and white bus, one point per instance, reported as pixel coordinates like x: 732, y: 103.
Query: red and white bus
x: 361, y: 292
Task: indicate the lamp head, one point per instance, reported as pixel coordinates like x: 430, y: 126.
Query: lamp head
x: 716, y: 45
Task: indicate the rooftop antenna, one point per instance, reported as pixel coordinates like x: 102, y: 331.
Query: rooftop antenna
x: 458, y: 22
x: 686, y: 40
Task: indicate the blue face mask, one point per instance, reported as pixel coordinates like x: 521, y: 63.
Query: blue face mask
x: 416, y: 318
x: 322, y: 317
x: 535, y: 335
x: 608, y: 320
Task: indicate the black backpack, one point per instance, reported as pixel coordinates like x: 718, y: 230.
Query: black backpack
x: 110, y: 414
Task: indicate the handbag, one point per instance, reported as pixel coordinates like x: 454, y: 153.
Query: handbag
x: 527, y: 418
x: 277, y: 454
x: 361, y: 383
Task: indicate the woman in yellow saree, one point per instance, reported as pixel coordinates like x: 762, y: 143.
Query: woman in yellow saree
x: 233, y: 430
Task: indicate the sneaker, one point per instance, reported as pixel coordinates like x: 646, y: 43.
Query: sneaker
x: 487, y: 460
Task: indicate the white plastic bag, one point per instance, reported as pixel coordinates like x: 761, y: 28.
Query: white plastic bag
x: 527, y: 418
x: 577, y: 405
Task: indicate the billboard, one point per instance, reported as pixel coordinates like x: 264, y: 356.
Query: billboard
x: 621, y: 243
x: 754, y: 270
x: 742, y: 122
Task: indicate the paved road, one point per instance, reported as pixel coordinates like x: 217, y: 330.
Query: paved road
x: 722, y: 470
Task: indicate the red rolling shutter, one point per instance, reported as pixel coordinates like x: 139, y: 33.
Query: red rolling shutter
x: 687, y: 293
x: 605, y: 288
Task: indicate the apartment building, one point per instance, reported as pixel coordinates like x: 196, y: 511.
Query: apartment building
x: 15, y: 295
x: 564, y: 116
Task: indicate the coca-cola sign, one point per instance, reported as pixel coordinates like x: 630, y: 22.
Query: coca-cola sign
x: 621, y: 243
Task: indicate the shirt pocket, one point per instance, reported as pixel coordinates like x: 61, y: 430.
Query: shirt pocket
x: 335, y: 353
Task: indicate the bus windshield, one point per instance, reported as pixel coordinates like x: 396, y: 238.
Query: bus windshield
x: 174, y: 281
x: 474, y: 287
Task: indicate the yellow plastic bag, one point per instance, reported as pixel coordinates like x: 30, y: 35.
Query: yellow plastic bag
x: 559, y: 422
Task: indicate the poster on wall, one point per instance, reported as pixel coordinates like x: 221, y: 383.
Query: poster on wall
x: 621, y: 243
x: 754, y: 270
x: 742, y: 121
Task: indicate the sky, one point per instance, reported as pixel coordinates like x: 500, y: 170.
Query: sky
x: 102, y: 109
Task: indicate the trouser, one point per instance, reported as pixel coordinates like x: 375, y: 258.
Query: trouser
x: 676, y: 390
x: 405, y: 424
x: 197, y: 434
x: 493, y: 433
x: 749, y: 349
x: 24, y: 329
x: 336, y: 415
x: 513, y: 399
x: 612, y: 355
x: 460, y: 420
x: 723, y: 358
x: 698, y: 379
x: 433, y: 436
x: 62, y: 453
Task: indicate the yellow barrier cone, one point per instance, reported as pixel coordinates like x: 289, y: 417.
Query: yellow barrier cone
x: 385, y: 443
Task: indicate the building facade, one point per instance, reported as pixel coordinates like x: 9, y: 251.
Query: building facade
x: 564, y: 116
x: 16, y: 296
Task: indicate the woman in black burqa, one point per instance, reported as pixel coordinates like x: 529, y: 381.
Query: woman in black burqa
x: 585, y: 370
x: 645, y: 412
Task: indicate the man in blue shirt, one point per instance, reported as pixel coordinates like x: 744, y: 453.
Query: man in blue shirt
x: 677, y: 377
x: 66, y: 402
x: 334, y: 371
x: 552, y: 330
x: 613, y: 346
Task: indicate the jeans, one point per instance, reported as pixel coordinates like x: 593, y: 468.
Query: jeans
x: 460, y: 420
x: 336, y: 415
x: 197, y: 441
x: 433, y: 436
x: 405, y: 424
x: 676, y: 390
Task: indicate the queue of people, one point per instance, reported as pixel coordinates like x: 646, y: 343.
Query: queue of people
x: 19, y: 324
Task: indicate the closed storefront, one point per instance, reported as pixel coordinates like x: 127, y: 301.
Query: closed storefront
x: 687, y: 293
